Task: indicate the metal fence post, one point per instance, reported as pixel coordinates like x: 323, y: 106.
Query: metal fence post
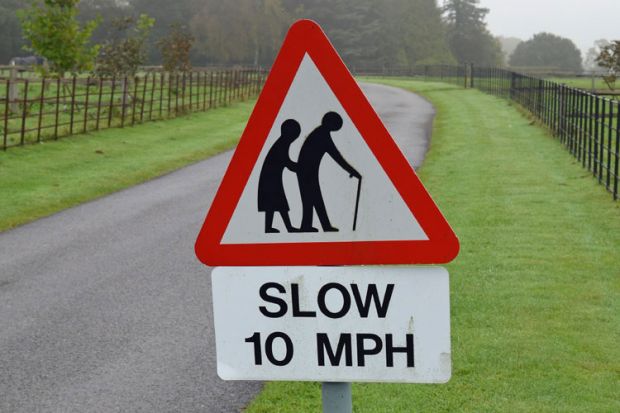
x: 601, y: 140
x: 337, y: 398
x: 111, y: 109
x: 162, y: 79
x: 617, y: 151
x: 589, y: 134
x: 7, y: 109
x: 609, y: 143
x: 41, y: 109
x: 153, y: 88
x: 210, y: 90
x: 86, y: 102
x: 99, y: 100
x: 134, y: 99
x: 57, y: 107
x: 146, y: 80
x: 204, y: 91
x: 595, y: 164
x: 24, y: 113
x: 184, y: 86
x: 124, y: 102
x: 72, y: 113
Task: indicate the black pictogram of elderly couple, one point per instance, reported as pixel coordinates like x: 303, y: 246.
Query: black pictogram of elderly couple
x: 271, y: 193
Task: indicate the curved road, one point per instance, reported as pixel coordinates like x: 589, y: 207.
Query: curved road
x: 103, y: 307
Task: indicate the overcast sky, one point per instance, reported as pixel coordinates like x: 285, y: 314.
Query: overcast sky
x: 582, y: 21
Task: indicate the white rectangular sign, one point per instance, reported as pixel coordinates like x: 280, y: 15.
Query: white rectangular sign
x: 341, y: 324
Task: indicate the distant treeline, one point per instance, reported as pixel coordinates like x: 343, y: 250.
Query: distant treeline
x: 367, y: 33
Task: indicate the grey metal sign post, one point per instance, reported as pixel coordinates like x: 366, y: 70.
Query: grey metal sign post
x: 337, y: 398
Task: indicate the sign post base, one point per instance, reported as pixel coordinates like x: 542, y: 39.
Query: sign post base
x: 337, y: 398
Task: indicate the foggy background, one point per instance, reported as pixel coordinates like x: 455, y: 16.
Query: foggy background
x: 367, y: 33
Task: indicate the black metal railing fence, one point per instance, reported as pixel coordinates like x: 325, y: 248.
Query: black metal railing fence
x: 34, y: 109
x: 585, y: 122
x: 588, y: 125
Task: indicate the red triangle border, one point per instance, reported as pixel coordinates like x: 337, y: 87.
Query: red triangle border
x: 306, y: 37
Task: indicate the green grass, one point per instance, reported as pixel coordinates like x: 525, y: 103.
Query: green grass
x: 41, y: 179
x: 584, y: 83
x: 535, y: 291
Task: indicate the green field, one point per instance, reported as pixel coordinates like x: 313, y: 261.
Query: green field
x: 39, y: 180
x: 535, y: 291
x: 586, y: 83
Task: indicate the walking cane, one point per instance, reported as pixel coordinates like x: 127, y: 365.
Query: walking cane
x: 357, y: 201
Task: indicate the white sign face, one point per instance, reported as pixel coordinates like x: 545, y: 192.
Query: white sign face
x: 340, y: 324
x: 311, y: 170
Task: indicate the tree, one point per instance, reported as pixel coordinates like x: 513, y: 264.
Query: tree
x: 167, y: 13
x: 609, y: 59
x: 245, y: 31
x: 468, y: 37
x: 589, y: 62
x: 108, y: 11
x: 546, y: 50
x: 411, y: 32
x: 508, y: 44
x: 422, y: 35
x: 175, y: 49
x: 352, y: 26
x: 375, y: 33
x: 53, y: 31
x: 125, y: 51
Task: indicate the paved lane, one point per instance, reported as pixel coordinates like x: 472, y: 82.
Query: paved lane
x: 104, y: 307
x: 408, y: 117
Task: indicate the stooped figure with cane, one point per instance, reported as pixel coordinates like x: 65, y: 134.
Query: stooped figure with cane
x: 316, y: 145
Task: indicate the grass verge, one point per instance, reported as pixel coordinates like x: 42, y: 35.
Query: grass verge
x: 39, y: 180
x: 535, y: 291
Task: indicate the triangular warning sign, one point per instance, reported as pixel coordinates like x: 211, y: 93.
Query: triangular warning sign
x: 316, y: 179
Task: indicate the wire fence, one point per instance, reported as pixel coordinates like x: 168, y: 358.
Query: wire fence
x: 36, y: 109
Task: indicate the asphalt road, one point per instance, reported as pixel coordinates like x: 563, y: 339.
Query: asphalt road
x: 103, y: 307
